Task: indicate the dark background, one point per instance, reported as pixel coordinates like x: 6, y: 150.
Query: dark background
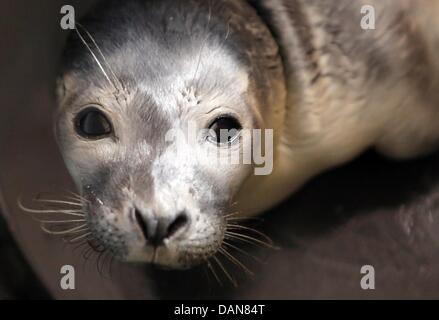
x: 17, y: 280
x: 371, y: 211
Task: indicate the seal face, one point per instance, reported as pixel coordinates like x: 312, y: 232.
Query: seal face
x: 133, y: 72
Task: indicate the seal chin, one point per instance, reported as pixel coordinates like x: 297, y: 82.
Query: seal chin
x: 172, y: 255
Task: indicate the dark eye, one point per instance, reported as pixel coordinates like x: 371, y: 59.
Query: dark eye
x: 92, y: 123
x: 224, y: 130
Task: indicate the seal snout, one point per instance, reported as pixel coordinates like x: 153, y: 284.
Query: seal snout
x: 157, y: 229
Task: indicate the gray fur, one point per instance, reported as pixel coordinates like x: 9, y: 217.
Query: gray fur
x: 306, y: 69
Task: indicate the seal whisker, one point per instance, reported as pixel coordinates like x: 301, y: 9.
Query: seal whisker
x: 212, y: 54
x: 203, y: 43
x: 235, y: 216
x: 110, y: 266
x: 209, y: 265
x: 233, y: 203
x: 83, y: 253
x: 106, y: 259
x: 88, y: 253
x: 76, y: 196
x: 77, y: 204
x: 67, y: 212
x: 207, y: 273
x: 232, y: 280
x: 236, y: 261
x: 80, y: 237
x: 232, y: 214
x: 99, y: 265
x: 242, y: 251
x: 77, y: 229
x: 241, y: 227
x: 95, y: 58
x: 243, y: 240
x: 55, y: 206
x: 77, y: 213
x: 60, y: 221
x: 53, y: 232
x: 103, y: 57
x: 79, y: 245
x: 249, y: 239
x: 244, y: 219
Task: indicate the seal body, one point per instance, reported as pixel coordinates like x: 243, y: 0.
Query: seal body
x: 136, y: 70
x: 350, y: 89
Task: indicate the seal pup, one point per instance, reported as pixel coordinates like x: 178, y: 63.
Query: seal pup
x: 134, y: 70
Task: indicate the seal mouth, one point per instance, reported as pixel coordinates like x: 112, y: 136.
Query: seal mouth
x: 141, y: 223
x: 178, y: 241
x: 219, y: 249
x: 154, y: 257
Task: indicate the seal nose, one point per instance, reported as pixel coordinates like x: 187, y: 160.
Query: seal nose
x: 156, y: 230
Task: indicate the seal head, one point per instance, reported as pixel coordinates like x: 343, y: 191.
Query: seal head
x: 134, y: 75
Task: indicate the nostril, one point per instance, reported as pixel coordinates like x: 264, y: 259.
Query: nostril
x: 155, y: 231
x: 141, y: 222
x: 180, y: 221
